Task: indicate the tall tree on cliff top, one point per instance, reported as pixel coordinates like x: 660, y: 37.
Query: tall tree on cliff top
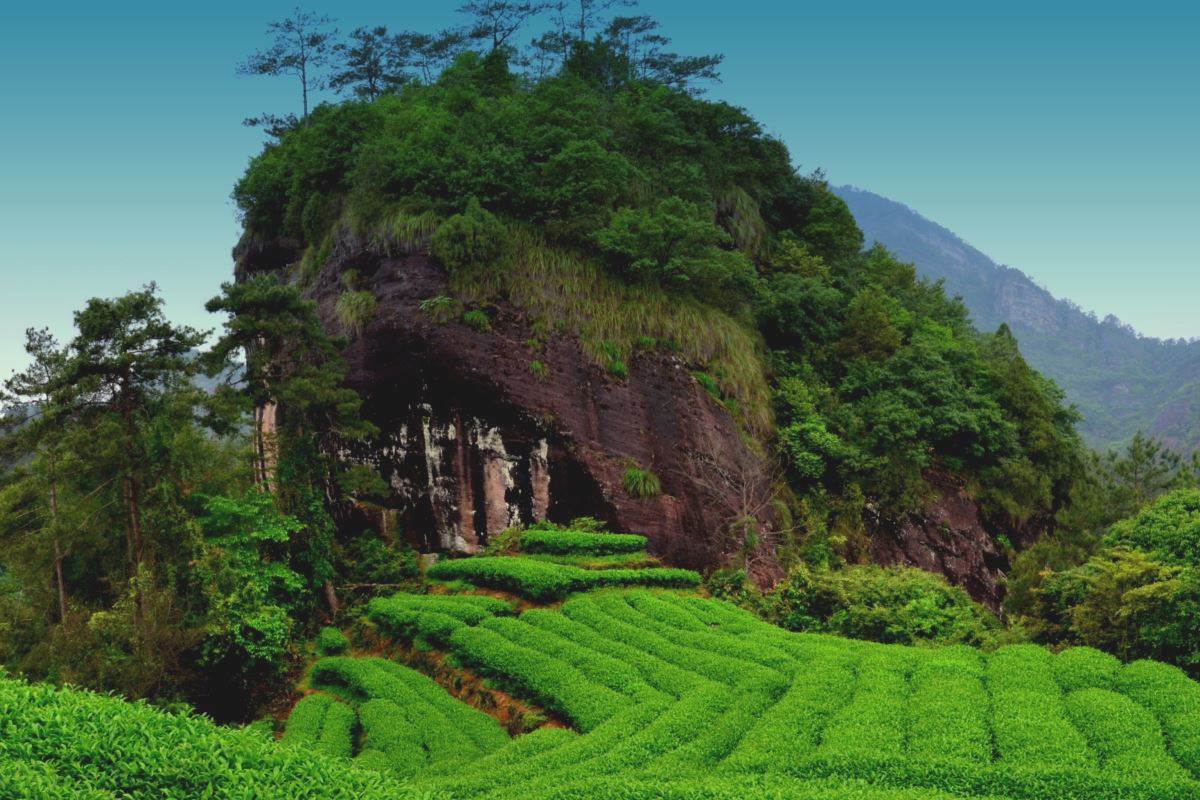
x: 366, y: 64
x: 497, y: 21
x: 302, y: 45
x: 292, y: 380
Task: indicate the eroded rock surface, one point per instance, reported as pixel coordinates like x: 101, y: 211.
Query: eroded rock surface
x: 948, y: 538
x: 473, y: 440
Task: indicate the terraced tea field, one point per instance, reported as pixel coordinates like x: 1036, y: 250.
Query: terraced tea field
x: 659, y: 693
x: 682, y: 696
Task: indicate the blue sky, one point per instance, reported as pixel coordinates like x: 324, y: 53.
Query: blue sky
x: 1062, y: 138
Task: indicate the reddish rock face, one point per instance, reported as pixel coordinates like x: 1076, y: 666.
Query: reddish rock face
x: 948, y: 538
x: 473, y: 441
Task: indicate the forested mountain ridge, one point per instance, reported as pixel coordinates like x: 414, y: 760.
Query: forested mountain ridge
x: 1121, y: 381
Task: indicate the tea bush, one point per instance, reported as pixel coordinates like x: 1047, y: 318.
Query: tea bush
x: 543, y: 581
x: 568, y: 542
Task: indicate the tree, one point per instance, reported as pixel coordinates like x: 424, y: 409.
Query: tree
x: 302, y: 44
x: 641, y: 44
x: 115, y: 374
x: 497, y: 21
x: 291, y: 378
x: 589, y: 15
x: 428, y: 53
x: 1146, y: 469
x: 36, y: 428
x: 367, y: 64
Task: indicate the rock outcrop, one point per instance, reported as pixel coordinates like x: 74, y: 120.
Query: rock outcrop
x: 475, y: 439
x: 948, y: 538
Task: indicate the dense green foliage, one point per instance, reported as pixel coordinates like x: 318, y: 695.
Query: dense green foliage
x: 896, y: 605
x: 1135, y: 593
x: 553, y: 539
x: 152, y: 546
x: 1122, y: 382
x: 73, y: 745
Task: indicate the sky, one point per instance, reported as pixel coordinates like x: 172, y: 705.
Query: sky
x: 1061, y: 138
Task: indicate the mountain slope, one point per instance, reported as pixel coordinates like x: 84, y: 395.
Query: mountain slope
x: 1122, y: 382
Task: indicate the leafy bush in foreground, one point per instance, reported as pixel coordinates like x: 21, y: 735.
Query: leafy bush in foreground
x: 65, y: 743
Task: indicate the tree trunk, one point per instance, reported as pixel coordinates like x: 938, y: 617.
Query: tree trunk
x: 331, y: 597
x: 58, y: 554
x: 132, y: 498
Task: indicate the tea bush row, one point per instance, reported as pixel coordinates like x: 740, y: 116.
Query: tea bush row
x: 569, y: 542
x: 544, y: 581
x: 1029, y: 718
x: 66, y: 743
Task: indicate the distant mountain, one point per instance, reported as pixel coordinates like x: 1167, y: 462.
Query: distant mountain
x: 1121, y: 381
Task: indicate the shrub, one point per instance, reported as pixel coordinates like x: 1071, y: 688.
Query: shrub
x: 369, y: 559
x: 439, y: 308
x: 388, y: 731
x: 331, y: 642
x: 1029, y: 720
x: 1168, y: 528
x: 1085, y: 668
x: 472, y: 240
x: 1125, y: 735
x: 640, y: 483
x: 895, y: 605
x: 451, y: 729
x: 1174, y: 699
x: 304, y: 724
x: 547, y: 680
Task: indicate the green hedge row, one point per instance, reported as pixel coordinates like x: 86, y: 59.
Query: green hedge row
x: 1126, y: 736
x: 560, y: 542
x: 664, y: 677
x: 303, y: 726
x: 791, y: 729
x: 390, y: 731
x: 874, y: 721
x: 597, y: 667
x: 603, y: 611
x: 1174, y: 699
x: 450, y: 729
x: 544, y: 581
x: 547, y: 680
x: 1029, y: 719
x: 1085, y: 668
x: 948, y: 710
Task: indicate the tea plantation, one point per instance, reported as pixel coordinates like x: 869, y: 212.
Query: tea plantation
x: 654, y: 693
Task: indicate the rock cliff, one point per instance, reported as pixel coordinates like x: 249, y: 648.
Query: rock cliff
x: 473, y: 440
